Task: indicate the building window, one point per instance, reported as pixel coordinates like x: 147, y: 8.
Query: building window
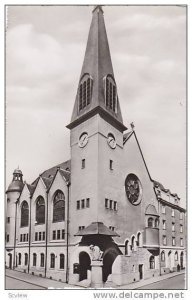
x: 156, y: 222
x: 54, y: 234
x: 78, y: 204
x: 36, y: 236
x: 111, y: 204
x: 176, y: 255
x: 21, y: 237
x: 39, y: 236
x: 83, y: 163
x: 42, y: 259
x: 110, y: 93
x: 150, y: 222
x: 24, y: 214
x: 181, y: 242
x: 19, y: 259
x: 152, y: 262
x: 162, y: 256
x: 63, y: 234
x: 110, y: 164
x: 164, y: 224
x: 58, y: 235
x: 7, y: 238
x: 181, y: 228
x: 62, y: 261
x: 173, y: 227
x: 87, y: 202
x: 181, y: 216
x: 83, y: 203
x: 59, y: 207
x: 139, y: 236
x: 106, y: 203
x: 173, y: 241
x: 115, y: 205
x: 40, y: 210
x: 126, y: 247
x: 164, y: 240
x: 163, y: 209
x: 34, y: 259
x: 85, y: 91
x: 8, y: 219
x: 26, y: 259
x: 112, y: 228
x: 81, y: 227
x: 43, y: 235
x: 172, y: 212
x: 52, y: 261
x: 27, y: 237
x: 133, y: 248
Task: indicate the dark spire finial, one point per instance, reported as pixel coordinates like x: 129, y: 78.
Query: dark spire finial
x: 97, y: 8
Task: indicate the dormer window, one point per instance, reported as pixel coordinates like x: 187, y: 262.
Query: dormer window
x: 110, y: 93
x: 85, y: 91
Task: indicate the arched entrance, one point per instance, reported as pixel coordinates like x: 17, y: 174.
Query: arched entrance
x: 84, y: 265
x: 10, y: 260
x: 181, y: 260
x: 108, y: 260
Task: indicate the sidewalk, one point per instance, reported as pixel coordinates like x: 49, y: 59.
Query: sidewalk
x: 136, y: 285
x: 49, y: 283
x: 39, y: 281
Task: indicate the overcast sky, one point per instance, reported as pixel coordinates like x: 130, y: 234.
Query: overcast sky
x: 45, y: 47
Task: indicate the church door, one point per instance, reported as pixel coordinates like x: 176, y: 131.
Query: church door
x: 84, y: 265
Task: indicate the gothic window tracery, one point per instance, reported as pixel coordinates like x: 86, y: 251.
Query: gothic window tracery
x: 59, y: 207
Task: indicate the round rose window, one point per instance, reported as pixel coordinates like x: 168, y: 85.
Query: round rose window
x: 133, y: 189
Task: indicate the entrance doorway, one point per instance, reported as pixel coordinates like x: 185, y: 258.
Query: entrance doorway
x: 108, y: 260
x: 140, y: 272
x: 84, y: 265
x: 169, y: 260
x: 10, y: 260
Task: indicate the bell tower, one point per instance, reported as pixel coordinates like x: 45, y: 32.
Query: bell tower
x: 96, y: 133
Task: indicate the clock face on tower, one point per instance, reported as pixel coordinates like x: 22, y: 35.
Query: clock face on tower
x: 133, y: 189
x: 83, y: 139
x: 111, y: 141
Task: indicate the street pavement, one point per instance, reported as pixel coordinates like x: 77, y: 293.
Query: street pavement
x: 19, y: 280
x: 177, y: 282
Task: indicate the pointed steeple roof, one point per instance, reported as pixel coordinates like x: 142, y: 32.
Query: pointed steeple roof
x: 97, y: 63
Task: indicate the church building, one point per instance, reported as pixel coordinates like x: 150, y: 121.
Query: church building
x: 98, y: 219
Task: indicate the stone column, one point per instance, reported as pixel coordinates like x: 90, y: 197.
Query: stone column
x: 96, y: 274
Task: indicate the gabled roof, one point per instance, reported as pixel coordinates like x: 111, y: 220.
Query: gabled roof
x: 96, y: 228
x: 47, y: 181
x: 50, y: 173
x: 31, y: 188
x: 97, y: 63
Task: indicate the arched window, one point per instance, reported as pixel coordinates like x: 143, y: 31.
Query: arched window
x: 85, y: 91
x: 110, y: 93
x: 156, y: 222
x: 126, y: 247
x: 133, y: 243
x: 150, y: 222
x: 59, y: 207
x: 24, y: 214
x: 62, y: 261
x: 152, y: 262
x: 52, y: 261
x: 176, y: 255
x: 139, y: 239
x: 162, y: 256
x: 42, y: 256
x: 34, y: 259
x: 19, y: 259
x: 40, y: 210
x: 26, y: 259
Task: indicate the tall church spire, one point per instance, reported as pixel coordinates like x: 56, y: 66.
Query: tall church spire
x: 97, y: 91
